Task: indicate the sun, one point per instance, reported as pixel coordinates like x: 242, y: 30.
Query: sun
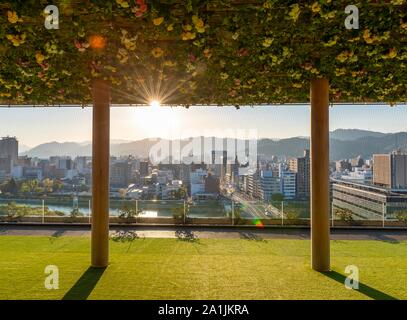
x: 155, y: 104
x: 155, y: 120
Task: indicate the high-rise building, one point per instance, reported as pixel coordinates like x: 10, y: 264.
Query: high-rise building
x: 288, y: 184
x: 5, y: 165
x: 253, y: 184
x: 81, y: 163
x: 197, y: 181
x: 232, y: 173
x: 301, y: 166
x: 46, y: 168
x: 390, y: 170
x: 144, y: 168
x: 120, y: 174
x: 220, y: 160
x: 8, y: 152
x: 185, y: 176
x: 65, y: 163
x: 9, y: 147
x: 212, y: 184
x: 269, y: 184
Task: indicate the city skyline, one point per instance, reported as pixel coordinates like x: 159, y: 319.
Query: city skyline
x: 130, y: 124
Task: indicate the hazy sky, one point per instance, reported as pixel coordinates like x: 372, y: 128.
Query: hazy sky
x: 39, y: 125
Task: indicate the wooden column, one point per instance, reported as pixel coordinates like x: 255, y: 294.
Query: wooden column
x: 320, y: 247
x: 100, y: 174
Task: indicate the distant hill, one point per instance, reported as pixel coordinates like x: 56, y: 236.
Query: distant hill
x: 72, y: 149
x: 360, y: 142
x: 366, y: 146
x: 291, y: 147
x: 354, y: 134
x: 23, y: 148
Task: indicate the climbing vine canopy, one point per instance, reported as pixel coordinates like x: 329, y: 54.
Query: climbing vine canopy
x: 190, y: 52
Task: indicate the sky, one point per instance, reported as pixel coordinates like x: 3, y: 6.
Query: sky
x: 33, y: 126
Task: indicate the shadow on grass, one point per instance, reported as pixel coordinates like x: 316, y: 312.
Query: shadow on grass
x: 186, y: 235
x: 56, y: 235
x: 124, y: 236
x: 251, y: 236
x: 363, y: 288
x: 85, y: 284
x: 385, y: 238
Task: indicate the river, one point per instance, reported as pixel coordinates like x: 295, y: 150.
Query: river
x: 149, y: 208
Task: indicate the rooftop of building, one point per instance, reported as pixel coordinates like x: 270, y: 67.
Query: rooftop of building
x: 369, y: 186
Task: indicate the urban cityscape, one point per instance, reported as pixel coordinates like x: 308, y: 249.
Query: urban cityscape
x: 361, y: 189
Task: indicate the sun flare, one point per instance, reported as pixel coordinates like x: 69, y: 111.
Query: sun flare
x: 155, y: 120
x: 155, y: 104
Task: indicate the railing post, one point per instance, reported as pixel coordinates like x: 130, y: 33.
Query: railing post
x: 282, y: 213
x: 185, y: 213
x: 384, y: 217
x: 233, y: 213
x: 89, y: 211
x: 320, y: 246
x: 100, y: 174
x: 43, y: 211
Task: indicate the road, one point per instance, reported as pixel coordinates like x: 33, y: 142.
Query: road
x: 248, y: 206
x: 254, y: 210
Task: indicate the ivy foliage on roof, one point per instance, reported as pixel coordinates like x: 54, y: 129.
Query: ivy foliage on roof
x: 202, y: 52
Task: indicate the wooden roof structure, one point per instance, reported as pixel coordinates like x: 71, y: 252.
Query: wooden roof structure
x: 210, y: 52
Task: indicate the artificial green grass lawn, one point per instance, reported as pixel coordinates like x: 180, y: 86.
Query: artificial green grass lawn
x: 202, y: 269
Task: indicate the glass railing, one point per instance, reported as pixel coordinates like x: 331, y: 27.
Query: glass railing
x: 368, y: 214
x: 222, y: 211
x: 46, y: 210
x: 274, y: 213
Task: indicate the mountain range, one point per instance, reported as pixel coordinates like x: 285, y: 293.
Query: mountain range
x: 344, y: 144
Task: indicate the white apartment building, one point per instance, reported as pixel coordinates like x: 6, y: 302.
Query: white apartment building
x: 358, y: 174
